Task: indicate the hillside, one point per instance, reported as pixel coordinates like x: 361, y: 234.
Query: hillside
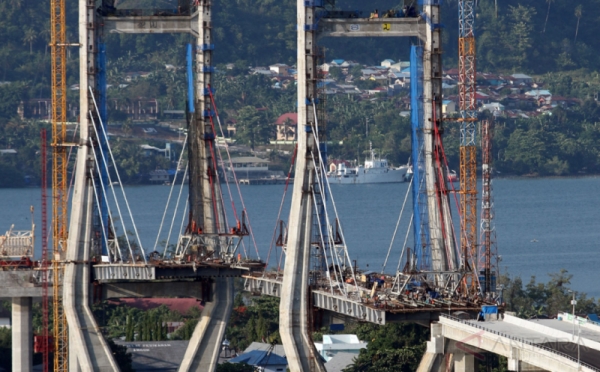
x: 553, y: 41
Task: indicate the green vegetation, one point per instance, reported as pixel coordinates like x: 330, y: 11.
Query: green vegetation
x: 132, y: 324
x: 393, y: 347
x: 257, y: 322
x: 511, y: 37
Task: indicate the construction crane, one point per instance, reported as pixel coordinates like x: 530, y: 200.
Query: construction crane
x: 58, y: 44
x: 468, y: 150
x: 488, y: 242
x: 45, y: 314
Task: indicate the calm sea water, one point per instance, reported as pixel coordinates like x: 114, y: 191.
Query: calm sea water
x: 543, y: 225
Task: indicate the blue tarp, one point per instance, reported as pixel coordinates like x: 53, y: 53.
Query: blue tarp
x: 489, y: 309
x: 190, y: 80
x: 419, y: 191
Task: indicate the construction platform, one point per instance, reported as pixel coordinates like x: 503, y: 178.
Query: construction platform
x: 165, y: 270
x: 378, y: 306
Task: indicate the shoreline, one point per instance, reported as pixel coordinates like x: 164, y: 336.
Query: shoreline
x: 503, y: 177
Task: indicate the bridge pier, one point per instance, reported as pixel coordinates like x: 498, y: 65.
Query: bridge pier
x: 202, y: 354
x: 464, y: 362
x: 22, y: 335
x: 514, y: 364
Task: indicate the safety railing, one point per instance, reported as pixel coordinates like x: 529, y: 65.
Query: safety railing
x: 518, y: 339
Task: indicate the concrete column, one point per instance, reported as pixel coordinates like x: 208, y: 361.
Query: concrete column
x: 464, y: 362
x: 22, y: 335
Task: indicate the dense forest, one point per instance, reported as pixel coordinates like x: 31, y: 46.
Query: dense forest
x: 552, y: 40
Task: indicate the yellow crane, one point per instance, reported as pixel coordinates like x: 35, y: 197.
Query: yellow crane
x: 58, y: 44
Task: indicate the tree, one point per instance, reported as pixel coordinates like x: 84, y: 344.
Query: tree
x: 29, y: 37
x: 520, y: 37
x: 253, y: 126
x: 578, y: 14
x: 393, y: 347
x: 335, y: 72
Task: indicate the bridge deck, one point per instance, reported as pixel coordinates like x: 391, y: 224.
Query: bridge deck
x: 166, y: 270
x: 541, y: 343
x: 381, y: 308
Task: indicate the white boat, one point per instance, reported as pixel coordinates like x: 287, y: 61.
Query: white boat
x: 375, y: 170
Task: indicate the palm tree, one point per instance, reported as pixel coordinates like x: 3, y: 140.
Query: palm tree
x: 547, y: 14
x: 29, y: 37
x: 578, y: 14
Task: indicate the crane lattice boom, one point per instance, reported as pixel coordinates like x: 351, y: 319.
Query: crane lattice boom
x: 58, y: 43
x: 468, y: 150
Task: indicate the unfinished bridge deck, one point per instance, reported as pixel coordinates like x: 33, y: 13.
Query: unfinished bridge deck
x: 381, y: 308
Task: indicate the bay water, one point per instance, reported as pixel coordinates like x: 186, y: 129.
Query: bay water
x: 542, y: 225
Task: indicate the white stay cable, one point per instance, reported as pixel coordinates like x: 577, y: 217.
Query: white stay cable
x: 404, y: 244
x: 330, y: 242
x: 175, y: 212
x: 114, y: 195
x: 323, y: 247
x: 237, y: 184
x: 180, y: 228
x: 104, y: 230
x: 347, y: 256
x: 334, y: 254
x: 137, y: 235
x: 171, y: 192
x: 397, y: 225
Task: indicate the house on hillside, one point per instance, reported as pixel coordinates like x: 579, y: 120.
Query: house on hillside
x: 518, y: 79
x: 280, y: 69
x: 495, y: 108
x: 537, y: 93
x: 286, y: 127
x: 387, y: 63
x: 367, y: 72
x: 448, y: 107
x: 399, y: 66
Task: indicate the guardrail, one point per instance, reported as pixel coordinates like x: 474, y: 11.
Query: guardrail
x: 173, y: 12
x: 532, y: 344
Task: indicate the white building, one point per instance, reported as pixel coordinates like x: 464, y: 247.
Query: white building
x: 334, y: 344
x: 448, y: 107
x: 280, y: 69
x: 387, y: 63
x: 495, y: 108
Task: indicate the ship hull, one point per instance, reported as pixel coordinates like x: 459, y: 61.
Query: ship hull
x: 362, y: 176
